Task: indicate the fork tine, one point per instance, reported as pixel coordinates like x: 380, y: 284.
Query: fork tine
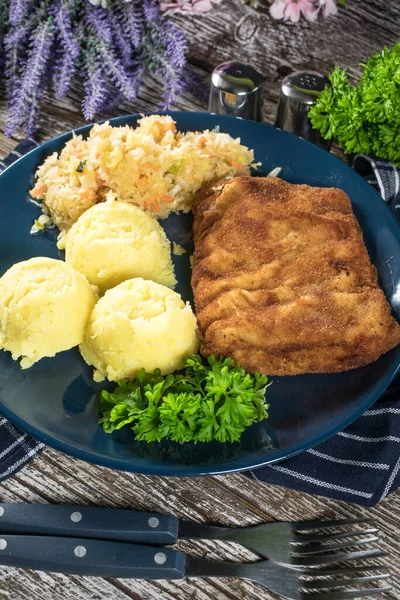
x: 325, y: 559
x: 346, y: 594
x: 329, y: 583
x: 322, y: 537
x: 344, y: 570
x: 306, y: 525
x: 318, y: 548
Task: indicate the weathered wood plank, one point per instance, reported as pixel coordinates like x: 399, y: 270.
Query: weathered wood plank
x: 232, y: 500
x: 6, y: 145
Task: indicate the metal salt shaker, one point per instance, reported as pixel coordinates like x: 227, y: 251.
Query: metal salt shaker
x: 237, y: 90
x: 299, y: 91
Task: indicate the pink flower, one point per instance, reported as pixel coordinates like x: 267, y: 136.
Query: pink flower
x: 329, y: 7
x: 290, y: 10
x: 185, y: 6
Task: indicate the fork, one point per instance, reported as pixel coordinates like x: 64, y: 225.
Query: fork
x: 80, y: 556
x: 285, y: 543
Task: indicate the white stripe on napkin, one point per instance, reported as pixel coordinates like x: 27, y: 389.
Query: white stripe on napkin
x: 396, y: 181
x: 346, y: 461
x: 381, y: 411
x: 360, y: 438
x: 390, y: 480
x: 378, y: 177
x: 17, y: 441
x: 320, y: 483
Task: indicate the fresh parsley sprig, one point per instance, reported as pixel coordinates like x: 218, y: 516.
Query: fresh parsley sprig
x: 209, y: 400
x: 364, y: 119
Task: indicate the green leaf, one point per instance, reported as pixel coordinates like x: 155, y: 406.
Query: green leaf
x: 179, y: 415
x: 148, y: 426
x: 213, y: 400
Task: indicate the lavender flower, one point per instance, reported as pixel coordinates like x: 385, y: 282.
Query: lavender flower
x: 26, y: 97
x: 63, y: 20
x: 18, y: 34
x: 12, y: 63
x: 107, y: 57
x: 64, y: 70
x: 175, y: 45
x: 68, y: 49
x: 16, y: 44
x: 95, y: 86
x: 166, y: 46
x: 97, y: 22
x: 116, y: 72
x: 111, y: 44
x: 133, y: 22
x: 150, y: 10
x: 19, y: 9
x: 120, y: 34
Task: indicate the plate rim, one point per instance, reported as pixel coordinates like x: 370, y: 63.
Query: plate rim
x: 160, y: 468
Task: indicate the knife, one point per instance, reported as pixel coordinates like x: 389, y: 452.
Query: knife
x: 91, y: 522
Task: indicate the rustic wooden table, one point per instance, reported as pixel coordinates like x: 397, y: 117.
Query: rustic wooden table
x: 232, y: 30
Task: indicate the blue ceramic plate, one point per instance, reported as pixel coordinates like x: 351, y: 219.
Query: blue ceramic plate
x: 56, y: 399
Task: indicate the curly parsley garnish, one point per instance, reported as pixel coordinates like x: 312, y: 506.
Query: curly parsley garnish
x: 364, y: 119
x: 213, y: 400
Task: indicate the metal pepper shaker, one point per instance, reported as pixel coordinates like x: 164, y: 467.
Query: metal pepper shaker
x: 237, y: 90
x: 299, y: 91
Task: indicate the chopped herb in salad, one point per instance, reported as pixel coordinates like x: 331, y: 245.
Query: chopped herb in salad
x: 81, y: 166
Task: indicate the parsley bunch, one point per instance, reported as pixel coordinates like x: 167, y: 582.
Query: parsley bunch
x: 208, y: 401
x: 364, y: 119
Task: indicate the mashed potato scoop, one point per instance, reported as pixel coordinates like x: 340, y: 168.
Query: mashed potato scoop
x: 44, y: 308
x: 139, y: 324
x: 114, y: 241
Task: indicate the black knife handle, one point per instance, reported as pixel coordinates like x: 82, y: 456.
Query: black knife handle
x: 88, y: 522
x: 79, y: 556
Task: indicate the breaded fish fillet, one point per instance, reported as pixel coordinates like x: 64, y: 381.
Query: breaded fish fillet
x: 282, y: 279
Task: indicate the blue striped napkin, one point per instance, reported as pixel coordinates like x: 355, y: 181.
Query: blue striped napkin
x: 383, y: 176
x: 360, y: 464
